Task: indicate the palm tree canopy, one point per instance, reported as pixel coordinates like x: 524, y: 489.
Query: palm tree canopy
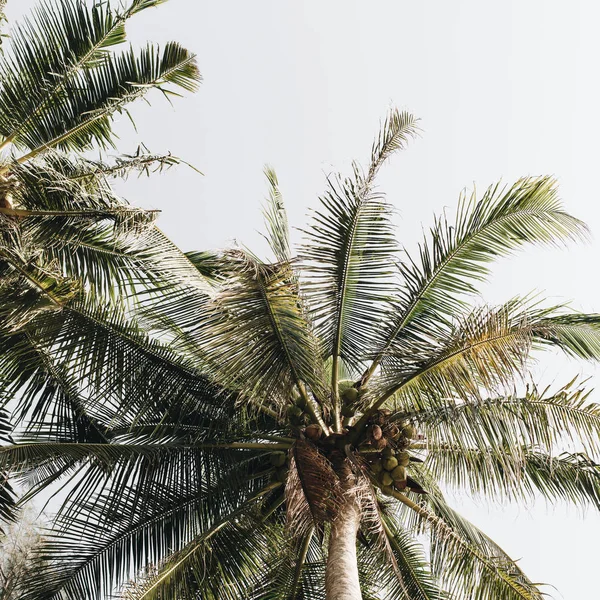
x: 195, y: 411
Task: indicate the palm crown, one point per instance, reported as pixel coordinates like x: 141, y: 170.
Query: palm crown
x: 227, y: 427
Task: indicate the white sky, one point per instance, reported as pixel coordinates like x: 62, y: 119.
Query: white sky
x: 504, y: 89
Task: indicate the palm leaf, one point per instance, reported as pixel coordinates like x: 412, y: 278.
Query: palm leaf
x: 259, y: 341
x: 276, y: 220
x: 538, y: 418
x: 349, y: 253
x: 457, y: 255
x: 52, y: 56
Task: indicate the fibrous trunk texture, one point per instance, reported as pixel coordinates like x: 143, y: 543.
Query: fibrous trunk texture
x: 341, y: 575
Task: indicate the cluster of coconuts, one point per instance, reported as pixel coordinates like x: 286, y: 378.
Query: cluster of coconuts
x: 386, y: 446
x: 297, y: 413
x: 281, y: 462
x: 390, y: 468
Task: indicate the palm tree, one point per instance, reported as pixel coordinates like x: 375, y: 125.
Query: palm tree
x: 217, y: 425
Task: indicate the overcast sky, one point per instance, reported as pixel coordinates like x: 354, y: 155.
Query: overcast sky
x: 504, y: 89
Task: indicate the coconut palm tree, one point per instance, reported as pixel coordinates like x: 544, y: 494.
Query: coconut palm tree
x: 217, y: 425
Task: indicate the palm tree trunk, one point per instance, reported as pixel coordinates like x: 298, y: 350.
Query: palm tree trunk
x: 341, y: 574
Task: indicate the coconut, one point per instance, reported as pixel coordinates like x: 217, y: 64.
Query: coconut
x: 375, y: 432
x: 313, y: 432
x: 399, y: 473
x: 388, y: 490
x: 387, y: 452
x: 385, y: 478
x: 380, y: 443
x: 409, y: 431
x: 350, y: 395
x: 389, y: 464
x: 400, y: 485
x: 403, y: 458
x: 377, y: 467
x: 347, y: 411
x: 278, y: 459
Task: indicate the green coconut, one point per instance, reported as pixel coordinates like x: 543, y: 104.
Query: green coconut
x: 387, y: 452
x: 399, y: 473
x: 347, y: 411
x: 388, y: 490
x: 377, y: 467
x: 403, y: 458
x: 389, y: 464
x: 350, y: 395
x: 385, y: 478
x: 278, y: 459
x: 408, y: 431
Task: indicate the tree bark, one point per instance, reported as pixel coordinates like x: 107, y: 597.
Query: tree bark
x: 341, y: 574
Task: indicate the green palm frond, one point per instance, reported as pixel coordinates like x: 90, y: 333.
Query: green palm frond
x: 517, y: 475
x: 225, y: 561
x: 410, y: 577
x: 471, y: 564
x: 259, y: 339
x: 147, y: 500
x: 7, y: 494
x: 487, y: 349
x: 465, y: 561
x: 276, y: 220
x: 62, y: 81
x: 458, y: 254
x: 539, y: 418
x: 349, y: 255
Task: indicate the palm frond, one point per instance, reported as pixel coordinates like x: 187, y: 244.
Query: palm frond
x: 517, y: 475
x: 7, y: 494
x: 147, y: 502
x: 465, y: 561
x: 457, y: 255
x: 226, y: 561
x: 487, y: 349
x: 276, y: 220
x: 349, y: 256
x: 259, y: 339
x: 61, y: 81
x: 539, y: 418
x: 411, y: 577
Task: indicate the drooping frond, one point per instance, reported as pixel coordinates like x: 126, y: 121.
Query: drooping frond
x: 465, y: 561
x: 226, y: 561
x: 539, y: 418
x: 411, y: 578
x: 458, y: 254
x: 145, y: 501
